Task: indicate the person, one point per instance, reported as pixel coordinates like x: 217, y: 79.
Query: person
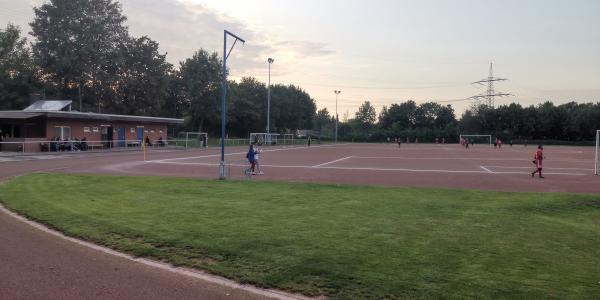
x: 437, y: 140
x: 407, y: 140
x: 416, y: 140
x: 499, y: 144
x: 251, y: 159
x: 161, y: 143
x: 511, y: 142
x: 399, y: 140
x: 496, y: 143
x: 538, y: 157
x: 443, y: 140
x: 147, y: 141
x: 1, y: 140
x: 257, y: 151
x: 309, y: 140
x: 467, y: 143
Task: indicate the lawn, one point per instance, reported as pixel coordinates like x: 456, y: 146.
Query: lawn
x: 344, y: 242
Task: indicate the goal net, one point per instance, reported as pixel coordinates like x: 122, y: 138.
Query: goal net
x: 474, y: 139
x: 192, y: 140
x: 262, y: 138
x: 597, y: 155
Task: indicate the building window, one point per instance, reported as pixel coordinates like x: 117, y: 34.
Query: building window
x: 151, y: 130
x: 131, y: 130
x: 62, y: 132
x: 160, y: 131
x: 95, y: 129
x: 86, y: 129
x: 146, y: 131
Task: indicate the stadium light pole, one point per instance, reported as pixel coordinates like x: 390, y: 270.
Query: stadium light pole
x: 224, y: 95
x: 270, y: 61
x: 336, y: 114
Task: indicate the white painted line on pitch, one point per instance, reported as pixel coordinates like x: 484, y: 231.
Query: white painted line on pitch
x: 371, y: 169
x: 486, y: 169
x: 238, y: 153
x: 332, y: 162
x: 463, y: 158
x: 545, y: 168
x: 198, y: 274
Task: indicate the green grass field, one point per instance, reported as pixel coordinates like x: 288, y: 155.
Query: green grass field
x: 345, y: 242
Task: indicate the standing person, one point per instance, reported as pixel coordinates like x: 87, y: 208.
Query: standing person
x: 499, y: 144
x: 443, y: 140
x: 511, y: 142
x: 399, y: 140
x: 257, y: 151
x: 308, y: 141
x: 467, y: 143
x: 538, y: 157
x: 251, y: 159
x: 1, y: 140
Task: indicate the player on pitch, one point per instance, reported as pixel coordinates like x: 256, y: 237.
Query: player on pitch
x: 538, y: 157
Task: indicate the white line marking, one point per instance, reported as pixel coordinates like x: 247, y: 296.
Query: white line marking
x: 365, y: 169
x: 238, y: 153
x: 486, y: 169
x: 545, y: 168
x: 199, y: 274
x: 332, y: 162
x: 462, y: 158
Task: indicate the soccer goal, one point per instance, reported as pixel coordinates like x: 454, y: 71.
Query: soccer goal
x: 262, y: 138
x: 477, y: 139
x: 192, y: 140
x: 597, y: 160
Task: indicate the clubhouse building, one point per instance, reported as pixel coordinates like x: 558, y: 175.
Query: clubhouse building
x: 49, y: 120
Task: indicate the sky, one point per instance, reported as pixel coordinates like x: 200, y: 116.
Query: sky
x: 383, y: 51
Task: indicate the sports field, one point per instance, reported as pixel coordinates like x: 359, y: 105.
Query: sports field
x: 419, y: 221
x: 344, y: 242
x: 567, y: 169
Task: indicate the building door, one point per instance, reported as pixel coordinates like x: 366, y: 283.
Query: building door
x: 122, y: 137
x: 109, y: 136
x: 140, y: 134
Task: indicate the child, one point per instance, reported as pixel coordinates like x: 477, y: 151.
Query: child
x: 251, y: 159
x: 256, y: 153
x: 538, y: 157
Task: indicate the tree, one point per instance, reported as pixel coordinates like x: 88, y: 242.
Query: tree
x: 247, y: 107
x: 17, y: 70
x: 201, y: 81
x: 77, y: 43
x: 143, y: 78
x: 366, y: 115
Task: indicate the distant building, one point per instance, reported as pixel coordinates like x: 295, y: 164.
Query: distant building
x: 45, y: 120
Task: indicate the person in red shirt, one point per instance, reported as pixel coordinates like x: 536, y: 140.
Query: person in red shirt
x: 538, y: 157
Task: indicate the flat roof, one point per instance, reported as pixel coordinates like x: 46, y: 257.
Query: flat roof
x: 19, y: 114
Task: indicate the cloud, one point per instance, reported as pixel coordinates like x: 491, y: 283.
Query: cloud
x: 181, y: 28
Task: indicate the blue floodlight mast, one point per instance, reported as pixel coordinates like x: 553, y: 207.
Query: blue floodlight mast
x: 223, y: 101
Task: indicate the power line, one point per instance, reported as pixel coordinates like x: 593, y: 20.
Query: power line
x: 490, y: 93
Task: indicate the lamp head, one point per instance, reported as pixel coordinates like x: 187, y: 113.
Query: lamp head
x: 270, y: 60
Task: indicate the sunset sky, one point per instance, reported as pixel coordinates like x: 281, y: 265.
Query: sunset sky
x: 383, y: 51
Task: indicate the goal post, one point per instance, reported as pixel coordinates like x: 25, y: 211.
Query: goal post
x: 192, y: 140
x: 597, y: 154
x: 263, y: 138
x: 487, y: 138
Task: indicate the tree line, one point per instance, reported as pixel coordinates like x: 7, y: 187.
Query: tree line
x: 81, y: 49
x: 570, y: 122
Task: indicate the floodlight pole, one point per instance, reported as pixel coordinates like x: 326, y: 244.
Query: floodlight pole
x: 270, y: 61
x: 223, y: 98
x: 336, y: 114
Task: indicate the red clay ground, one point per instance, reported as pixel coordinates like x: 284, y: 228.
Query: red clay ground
x: 567, y: 169
x: 34, y: 264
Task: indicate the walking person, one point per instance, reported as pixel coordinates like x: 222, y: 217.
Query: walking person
x: 538, y: 157
x: 251, y: 159
x: 257, y: 152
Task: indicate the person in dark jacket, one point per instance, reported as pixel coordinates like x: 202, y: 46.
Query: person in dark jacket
x: 251, y: 158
